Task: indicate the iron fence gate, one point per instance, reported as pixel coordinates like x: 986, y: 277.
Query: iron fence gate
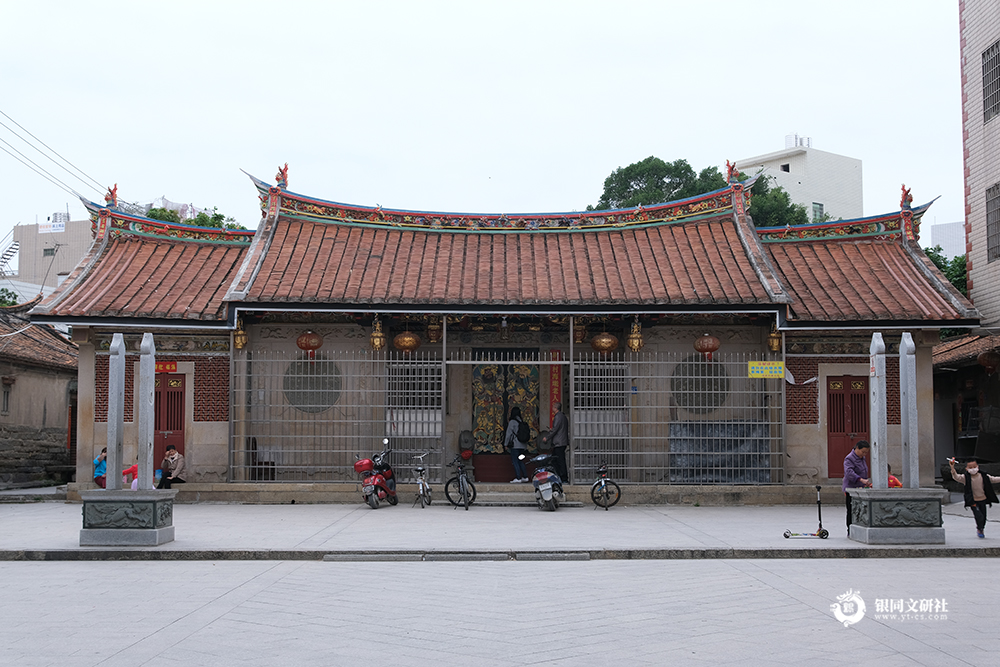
x: 298, y: 417
x: 669, y: 418
x: 655, y: 418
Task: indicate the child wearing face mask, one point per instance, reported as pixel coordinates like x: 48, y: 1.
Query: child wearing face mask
x: 979, y: 493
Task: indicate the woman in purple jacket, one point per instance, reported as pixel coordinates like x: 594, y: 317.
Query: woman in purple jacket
x: 855, y: 474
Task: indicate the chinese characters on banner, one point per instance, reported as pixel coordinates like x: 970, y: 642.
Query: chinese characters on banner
x: 555, y: 384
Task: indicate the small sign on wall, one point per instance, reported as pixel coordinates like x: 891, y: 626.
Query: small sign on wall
x: 766, y: 369
x: 166, y: 366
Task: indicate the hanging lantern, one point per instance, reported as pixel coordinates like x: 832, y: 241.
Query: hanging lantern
x: 377, y: 338
x: 579, y: 333
x: 406, y: 341
x: 504, y: 330
x: 707, y: 344
x: 991, y: 360
x: 434, y: 332
x: 604, y: 342
x: 774, y: 339
x: 310, y: 342
x: 240, y: 337
x: 634, y: 340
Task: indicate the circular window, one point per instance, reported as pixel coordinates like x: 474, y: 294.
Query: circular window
x: 698, y: 385
x: 313, y: 385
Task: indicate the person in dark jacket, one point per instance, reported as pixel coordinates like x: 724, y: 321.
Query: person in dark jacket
x: 855, y: 474
x: 559, y: 437
x: 515, y: 446
x: 979, y: 491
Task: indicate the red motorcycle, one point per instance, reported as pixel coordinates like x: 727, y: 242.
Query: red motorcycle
x: 377, y: 480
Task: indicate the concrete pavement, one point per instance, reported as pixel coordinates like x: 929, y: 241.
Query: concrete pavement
x: 50, y: 530
x: 250, y: 606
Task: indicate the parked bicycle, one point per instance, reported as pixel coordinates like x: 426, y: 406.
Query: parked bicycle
x: 604, y: 492
x: 423, y: 488
x: 460, y: 490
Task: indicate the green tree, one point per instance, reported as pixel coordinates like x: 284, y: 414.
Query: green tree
x: 953, y: 269
x: 164, y: 215
x: 771, y: 206
x: 8, y: 298
x: 216, y: 220
x: 654, y: 181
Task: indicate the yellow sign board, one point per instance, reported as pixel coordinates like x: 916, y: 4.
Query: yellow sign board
x: 766, y: 369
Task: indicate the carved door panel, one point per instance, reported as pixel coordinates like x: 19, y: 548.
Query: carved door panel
x: 846, y: 418
x: 168, y: 410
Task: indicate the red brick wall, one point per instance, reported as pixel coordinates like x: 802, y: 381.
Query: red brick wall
x: 211, y: 388
x: 802, y: 402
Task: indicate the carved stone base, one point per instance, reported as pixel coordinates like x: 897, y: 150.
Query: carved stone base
x: 127, y: 518
x: 897, y: 516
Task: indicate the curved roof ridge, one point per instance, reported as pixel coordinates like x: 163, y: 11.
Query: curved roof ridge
x: 882, y: 226
x: 299, y: 206
x: 120, y: 222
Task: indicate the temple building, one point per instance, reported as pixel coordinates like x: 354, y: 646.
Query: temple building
x: 687, y: 346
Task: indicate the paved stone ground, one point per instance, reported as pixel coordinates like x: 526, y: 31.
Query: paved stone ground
x: 693, y: 610
x: 323, y: 528
x: 748, y: 612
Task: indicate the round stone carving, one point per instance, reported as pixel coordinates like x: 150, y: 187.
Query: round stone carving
x: 699, y: 386
x: 313, y: 385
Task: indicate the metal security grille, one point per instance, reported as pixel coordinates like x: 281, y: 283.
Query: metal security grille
x: 991, y: 82
x: 993, y: 223
x: 297, y: 418
x: 667, y: 418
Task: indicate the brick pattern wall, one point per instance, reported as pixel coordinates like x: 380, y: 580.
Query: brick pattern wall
x: 802, y: 402
x: 211, y: 387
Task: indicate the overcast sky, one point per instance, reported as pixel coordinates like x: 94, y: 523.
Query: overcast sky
x: 493, y: 107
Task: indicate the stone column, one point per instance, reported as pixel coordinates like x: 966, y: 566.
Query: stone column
x: 116, y: 413
x: 145, y: 421
x: 877, y: 413
x: 908, y: 412
x: 122, y: 517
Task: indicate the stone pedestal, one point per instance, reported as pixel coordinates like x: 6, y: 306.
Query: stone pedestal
x: 897, y: 516
x: 113, y: 518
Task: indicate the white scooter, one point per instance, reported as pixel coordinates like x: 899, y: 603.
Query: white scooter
x: 548, y: 486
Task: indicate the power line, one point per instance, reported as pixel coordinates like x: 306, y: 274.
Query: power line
x: 99, y: 186
x: 49, y: 177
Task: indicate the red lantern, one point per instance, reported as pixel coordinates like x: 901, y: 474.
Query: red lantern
x: 707, y: 344
x: 310, y: 342
x: 991, y: 360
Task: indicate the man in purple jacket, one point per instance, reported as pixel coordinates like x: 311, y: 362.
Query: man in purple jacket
x: 855, y: 474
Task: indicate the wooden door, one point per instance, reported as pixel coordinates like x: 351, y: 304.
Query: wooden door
x: 168, y: 409
x: 846, y: 418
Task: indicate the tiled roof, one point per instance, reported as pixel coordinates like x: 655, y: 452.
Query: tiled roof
x: 696, y: 263
x: 963, y: 351
x: 864, y: 281
x: 35, y: 345
x: 149, y: 277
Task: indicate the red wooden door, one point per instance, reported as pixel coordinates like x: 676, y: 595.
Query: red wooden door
x: 846, y: 418
x: 168, y: 425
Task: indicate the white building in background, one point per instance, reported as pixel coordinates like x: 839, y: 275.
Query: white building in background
x: 824, y: 183
x: 979, y: 26
x: 48, y: 251
x: 949, y: 235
